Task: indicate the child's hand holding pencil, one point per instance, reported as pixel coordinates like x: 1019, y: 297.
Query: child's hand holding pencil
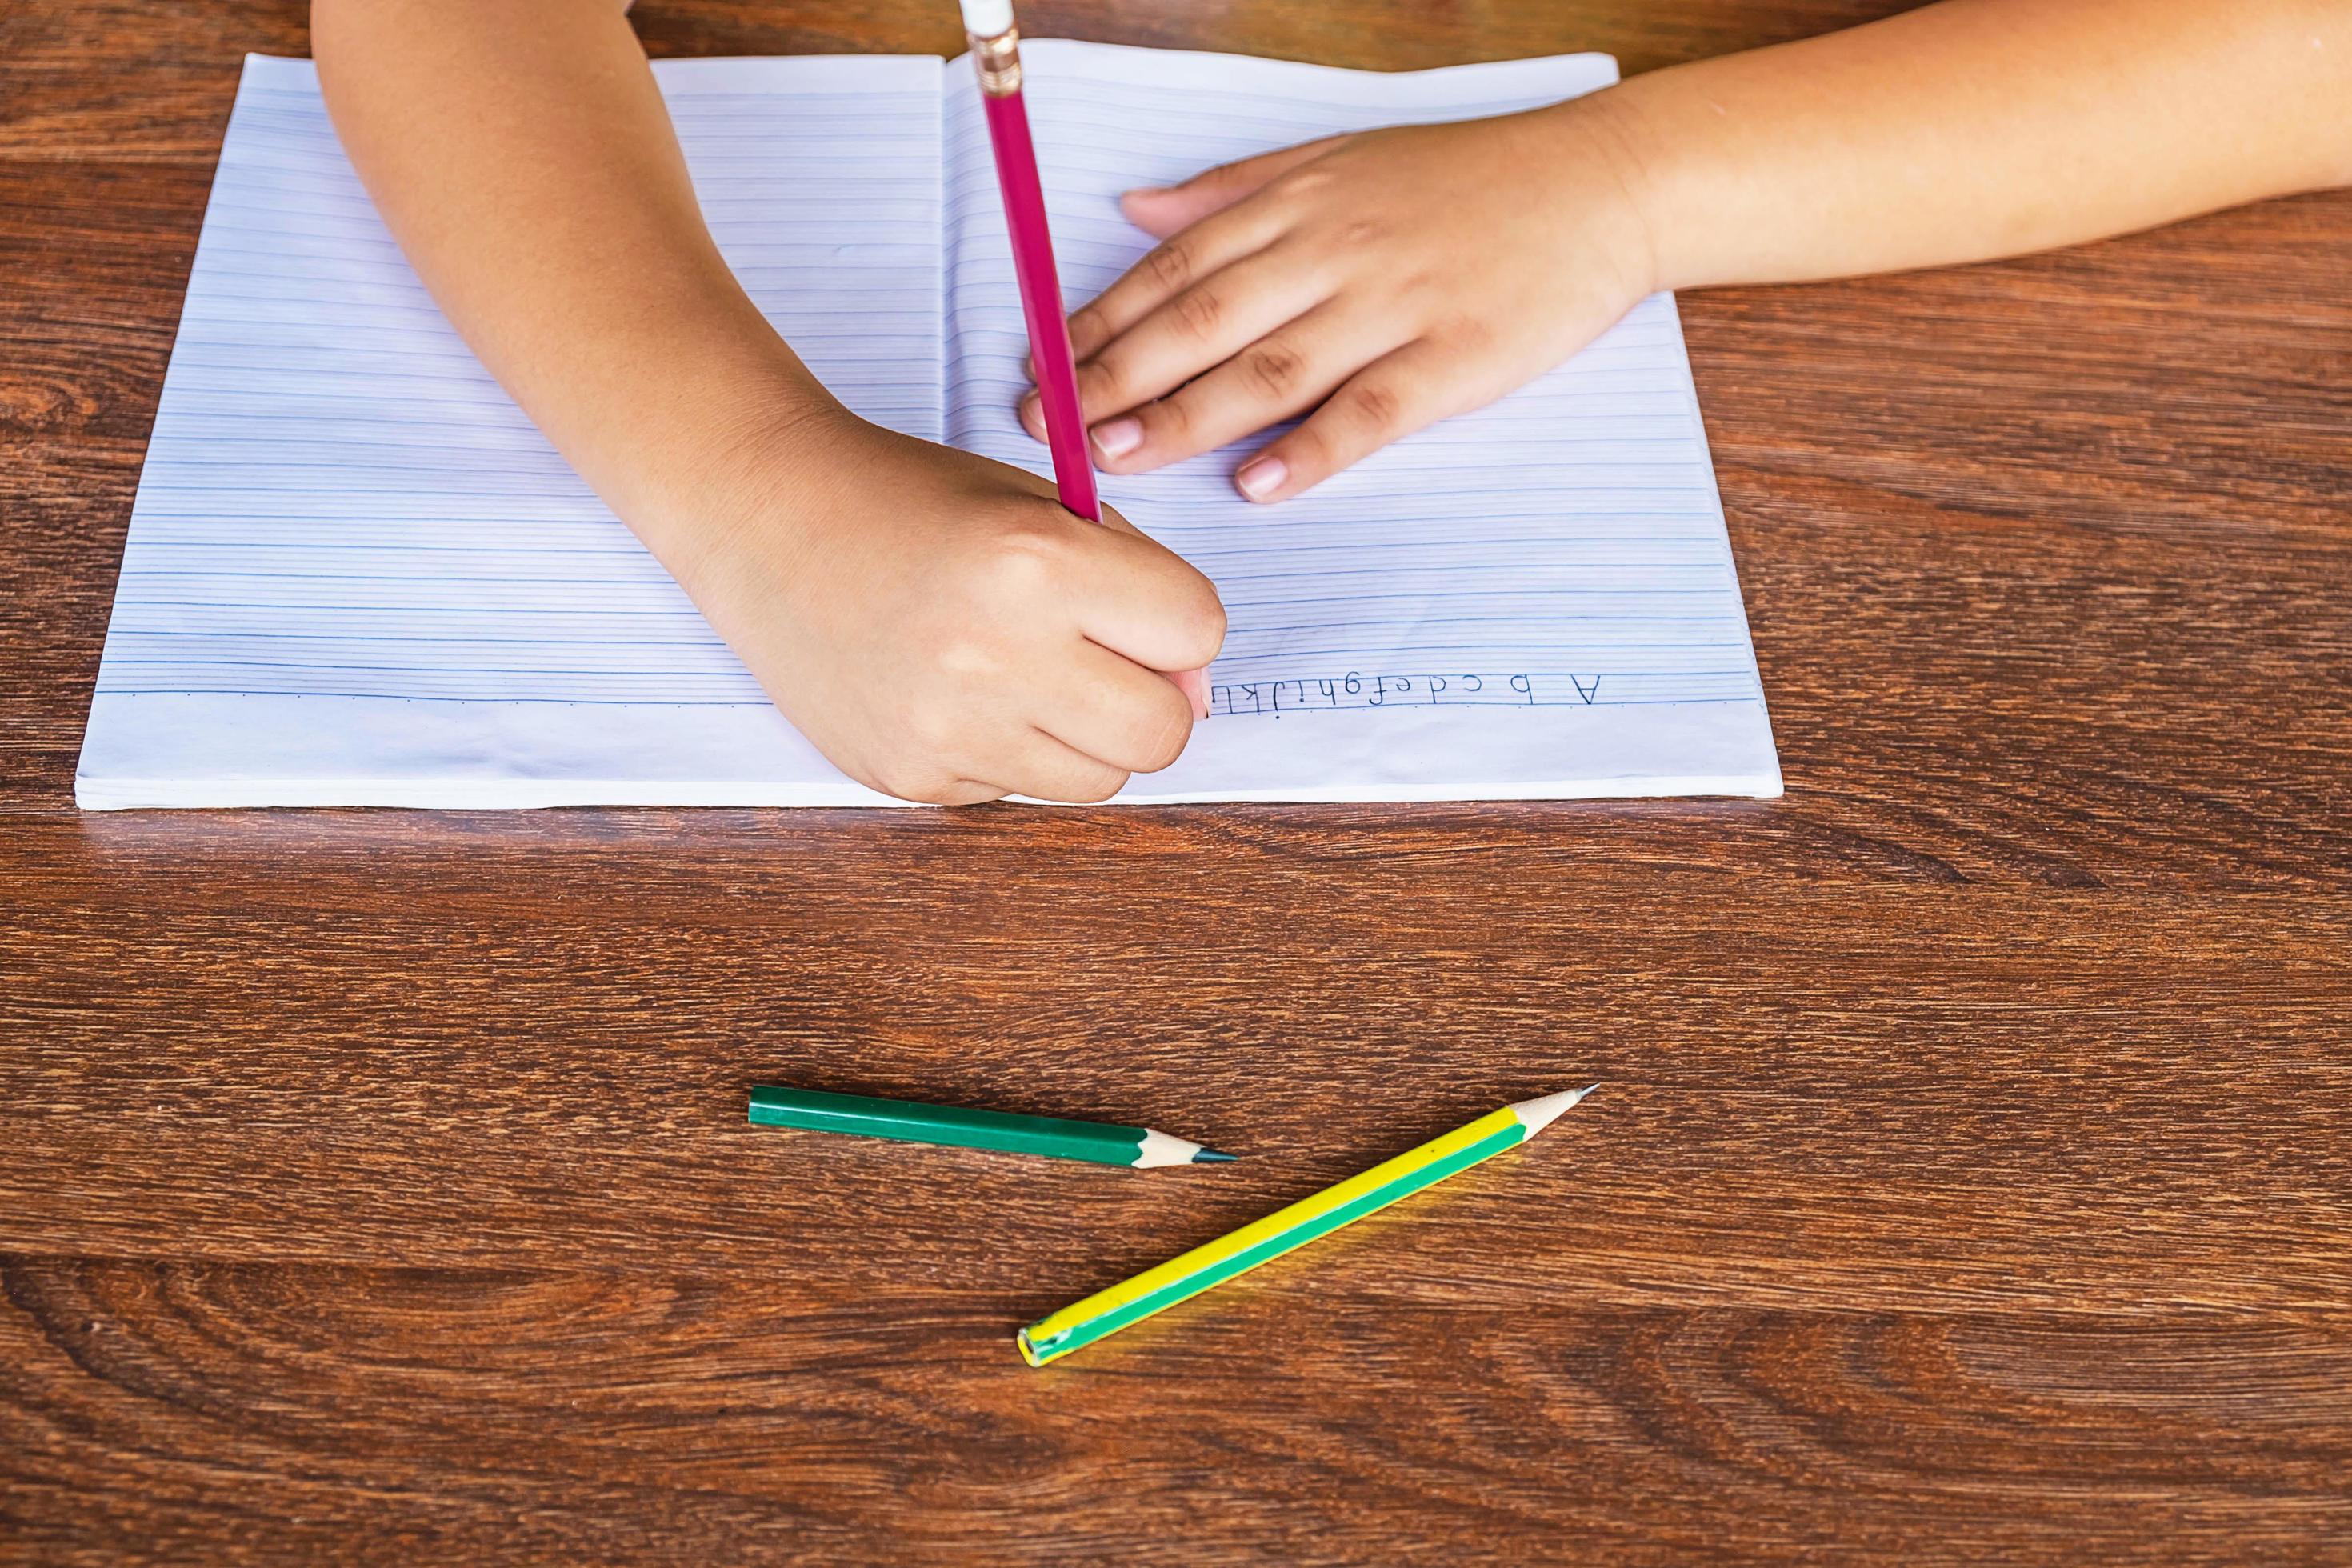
x: 939, y: 626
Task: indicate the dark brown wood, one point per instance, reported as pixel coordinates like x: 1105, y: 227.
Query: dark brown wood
x: 1974, y: 1176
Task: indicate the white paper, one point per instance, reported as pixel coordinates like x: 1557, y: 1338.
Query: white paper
x: 357, y: 576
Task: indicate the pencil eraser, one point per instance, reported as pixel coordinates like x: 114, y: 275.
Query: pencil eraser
x: 987, y: 18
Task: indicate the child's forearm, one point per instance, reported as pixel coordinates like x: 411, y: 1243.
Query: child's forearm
x: 521, y: 154
x: 1982, y: 128
x: 933, y: 621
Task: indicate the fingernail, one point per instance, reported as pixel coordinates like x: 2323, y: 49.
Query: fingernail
x: 1194, y: 684
x: 1117, y: 437
x: 1261, y: 478
x: 1028, y: 412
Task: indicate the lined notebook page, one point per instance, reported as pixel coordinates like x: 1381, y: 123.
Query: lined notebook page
x: 357, y: 574
x: 1536, y: 599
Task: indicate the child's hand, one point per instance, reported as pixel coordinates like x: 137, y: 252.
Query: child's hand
x: 1393, y: 279
x: 942, y: 629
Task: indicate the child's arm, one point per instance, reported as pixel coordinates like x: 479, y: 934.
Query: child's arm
x: 934, y: 622
x: 1399, y: 276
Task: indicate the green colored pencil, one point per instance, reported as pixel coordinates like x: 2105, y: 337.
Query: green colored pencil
x: 1213, y: 1263
x: 912, y: 1121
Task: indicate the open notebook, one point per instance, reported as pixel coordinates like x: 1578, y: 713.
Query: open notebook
x: 356, y: 575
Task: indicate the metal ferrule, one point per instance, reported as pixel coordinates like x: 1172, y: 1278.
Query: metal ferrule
x: 998, y: 60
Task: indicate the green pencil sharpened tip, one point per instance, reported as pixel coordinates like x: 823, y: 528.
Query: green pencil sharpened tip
x: 1211, y: 1157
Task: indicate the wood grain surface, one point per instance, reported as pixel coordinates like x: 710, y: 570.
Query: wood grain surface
x: 1972, y: 1182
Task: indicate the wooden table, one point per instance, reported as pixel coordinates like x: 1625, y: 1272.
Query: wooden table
x: 1973, y: 1178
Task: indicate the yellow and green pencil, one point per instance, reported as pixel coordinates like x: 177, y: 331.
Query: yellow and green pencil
x: 1213, y: 1263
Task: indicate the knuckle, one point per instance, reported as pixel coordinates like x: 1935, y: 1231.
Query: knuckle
x: 1307, y: 182
x: 1198, y: 312
x: 1117, y: 377
x: 934, y: 730
x: 1024, y: 560
x: 1466, y: 335
x: 1169, y: 420
x: 1307, y: 450
x: 1107, y: 372
x: 1169, y: 265
x: 1373, y: 406
x: 1273, y: 371
x: 1222, y: 176
x: 1098, y: 380
x: 1420, y: 284
x: 965, y: 658
x: 1361, y: 232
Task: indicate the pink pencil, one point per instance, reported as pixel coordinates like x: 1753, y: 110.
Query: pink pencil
x: 996, y: 55
x: 996, y: 52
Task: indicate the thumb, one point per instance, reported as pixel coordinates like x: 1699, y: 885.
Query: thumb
x: 1161, y: 211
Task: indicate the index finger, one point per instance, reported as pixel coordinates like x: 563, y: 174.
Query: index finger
x: 1142, y: 601
x: 1168, y: 269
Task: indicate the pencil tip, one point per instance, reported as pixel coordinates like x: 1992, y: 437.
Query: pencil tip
x: 1536, y: 1115
x: 1211, y: 1157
